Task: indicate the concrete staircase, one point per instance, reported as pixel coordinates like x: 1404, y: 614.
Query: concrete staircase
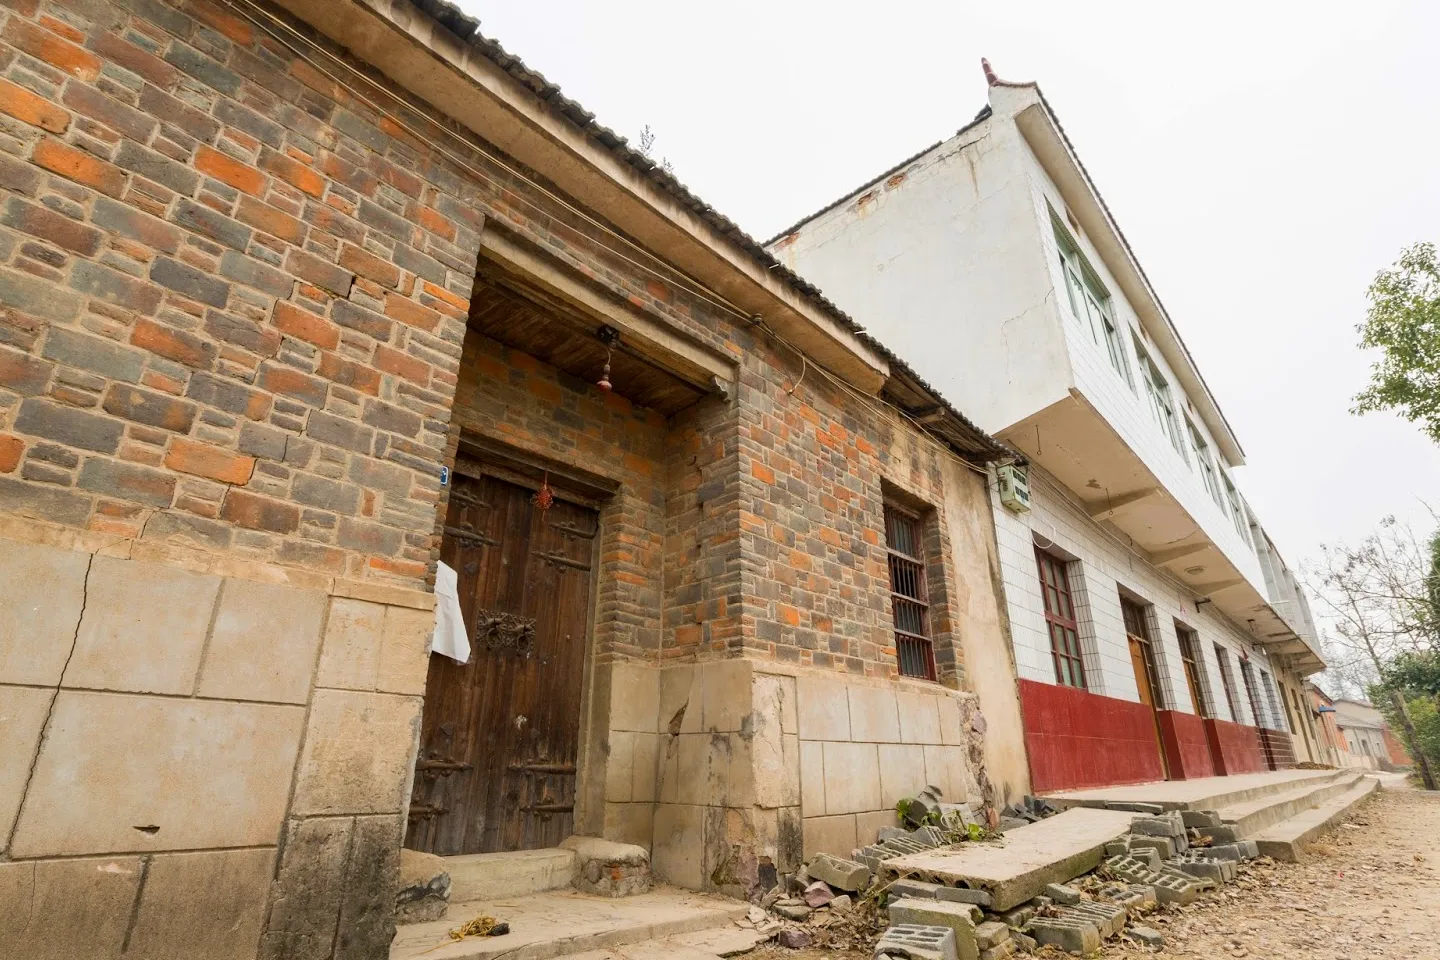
x: 1286, y: 839
x: 1283, y: 821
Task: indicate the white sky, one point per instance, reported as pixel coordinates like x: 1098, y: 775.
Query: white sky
x: 1264, y: 160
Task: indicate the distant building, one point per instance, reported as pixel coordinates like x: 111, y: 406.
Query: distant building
x: 1157, y: 632
x: 1371, y: 742
x: 1333, y: 749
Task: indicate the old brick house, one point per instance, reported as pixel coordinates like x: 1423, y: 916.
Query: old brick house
x: 300, y: 297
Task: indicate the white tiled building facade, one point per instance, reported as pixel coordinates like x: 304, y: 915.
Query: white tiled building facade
x: 993, y: 262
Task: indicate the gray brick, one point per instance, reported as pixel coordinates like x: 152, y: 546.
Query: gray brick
x: 44, y: 503
x: 373, y: 215
x: 393, y: 419
x: 120, y: 117
x: 55, y: 228
x: 18, y: 176
x: 37, y: 297
x: 212, y: 224
x: 154, y: 166
x: 128, y: 481
x: 175, y: 525
x: 256, y: 338
x: 202, y: 68
x: 375, y: 475
x: 367, y: 322
x: 358, y: 128
x: 368, y: 537
x: 76, y: 428
x: 328, y: 428
x: 115, y: 287
x: 322, y: 273
x: 330, y: 495
x: 190, y: 282
x: 23, y: 374
x: 253, y: 273
x: 259, y: 440
x: 429, y: 268
x: 267, y: 131
x: 162, y: 14
x: 126, y: 220
x: 110, y: 360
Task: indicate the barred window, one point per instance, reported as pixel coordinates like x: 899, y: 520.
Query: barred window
x: 1190, y: 657
x: 1060, y: 619
x: 909, y: 596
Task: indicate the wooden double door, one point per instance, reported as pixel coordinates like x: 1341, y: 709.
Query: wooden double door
x: 500, y: 737
x: 1147, y: 677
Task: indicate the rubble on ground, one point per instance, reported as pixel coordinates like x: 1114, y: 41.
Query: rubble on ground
x: 1166, y: 860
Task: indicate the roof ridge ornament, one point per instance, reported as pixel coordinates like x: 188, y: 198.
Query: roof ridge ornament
x: 990, y: 77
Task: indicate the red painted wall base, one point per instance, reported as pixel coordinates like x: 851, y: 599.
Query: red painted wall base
x: 1077, y: 739
x: 1186, y: 746
x: 1235, y: 748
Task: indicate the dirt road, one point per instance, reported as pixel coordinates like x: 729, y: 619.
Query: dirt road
x: 1372, y: 889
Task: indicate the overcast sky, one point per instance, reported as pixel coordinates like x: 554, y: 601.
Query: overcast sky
x: 1263, y: 159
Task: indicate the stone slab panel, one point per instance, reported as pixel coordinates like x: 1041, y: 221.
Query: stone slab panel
x: 262, y: 646
x: 74, y: 909
x: 22, y: 718
x: 495, y: 876
x: 1055, y: 850
x: 919, y: 718
x: 874, y: 714
x: 812, y: 777
x: 902, y: 772
x: 828, y: 835
x: 726, y: 686
x: 206, y: 773
x: 635, y: 697
x: 678, y: 854
x: 852, y: 778
x: 350, y: 652
x: 823, y: 708
x: 143, y: 629
x: 359, y: 748
x: 405, y: 651
x: 308, y: 889
x: 39, y: 609
x: 215, y: 899
x: 367, y: 908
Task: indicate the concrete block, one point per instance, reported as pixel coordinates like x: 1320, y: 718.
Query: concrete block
x: 792, y: 909
x: 64, y: 909
x: 1108, y: 918
x: 1148, y: 936
x: 1130, y: 870
x: 917, y: 942
x: 262, y: 646
x: 359, y: 748
x: 1178, y: 890
x: 1072, y: 935
x: 201, y: 773
x: 143, y: 629
x: 1239, y: 850
x: 39, y: 608
x: 216, y: 898
x: 1000, y: 951
x: 1200, y: 818
x: 1024, y: 943
x: 1151, y: 809
x: 989, y: 933
x: 1117, y: 848
x: 838, y: 873
x: 1164, y: 846
x: 1220, y: 871
x: 979, y: 898
x: 22, y: 718
x: 939, y: 913
x: 1157, y: 827
x: 1148, y: 856
x: 1018, y: 917
x: 913, y: 888
x: 350, y: 651
x: 1062, y: 894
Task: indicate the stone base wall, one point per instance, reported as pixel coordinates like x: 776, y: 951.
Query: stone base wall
x: 191, y: 746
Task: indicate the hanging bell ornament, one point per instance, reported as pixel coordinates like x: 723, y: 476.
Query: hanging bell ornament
x: 608, y: 336
x: 604, y: 382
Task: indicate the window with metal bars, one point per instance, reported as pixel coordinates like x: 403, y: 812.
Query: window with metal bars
x: 1222, y: 657
x: 1060, y: 620
x: 909, y: 596
x: 1190, y: 657
x: 1137, y: 625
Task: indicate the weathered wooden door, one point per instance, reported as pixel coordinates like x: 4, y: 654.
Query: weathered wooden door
x: 1146, y: 678
x: 500, y: 736
x: 1247, y: 674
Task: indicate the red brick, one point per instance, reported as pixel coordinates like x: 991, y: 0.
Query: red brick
x: 10, y: 450
x: 318, y: 81
x: 346, y: 173
x: 761, y: 472
x: 23, y: 374
x: 410, y: 313
x: 304, y: 325
x: 402, y: 180
x: 348, y: 373
x: 293, y: 383
x: 245, y: 509
x: 272, y: 221
x: 81, y: 167
x: 403, y: 365
x: 29, y: 108
x: 153, y: 409
x: 227, y: 169
x: 46, y: 224
x: 54, y: 50
x: 177, y: 345
x: 364, y: 263
x: 436, y: 223
x: 400, y: 568
x: 204, y: 460
x: 234, y: 27
x: 293, y: 172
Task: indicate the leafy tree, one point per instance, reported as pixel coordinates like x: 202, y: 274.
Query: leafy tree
x: 1403, y: 321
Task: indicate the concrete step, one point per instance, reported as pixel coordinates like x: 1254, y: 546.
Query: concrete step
x: 487, y: 876
x: 1208, y: 793
x: 1287, y: 839
x: 1252, y: 816
x: 565, y: 922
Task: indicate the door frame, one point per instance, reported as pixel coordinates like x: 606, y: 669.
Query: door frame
x: 478, y: 455
x: 1151, y: 667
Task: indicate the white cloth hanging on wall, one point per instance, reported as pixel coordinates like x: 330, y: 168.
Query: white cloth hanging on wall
x: 450, y: 639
